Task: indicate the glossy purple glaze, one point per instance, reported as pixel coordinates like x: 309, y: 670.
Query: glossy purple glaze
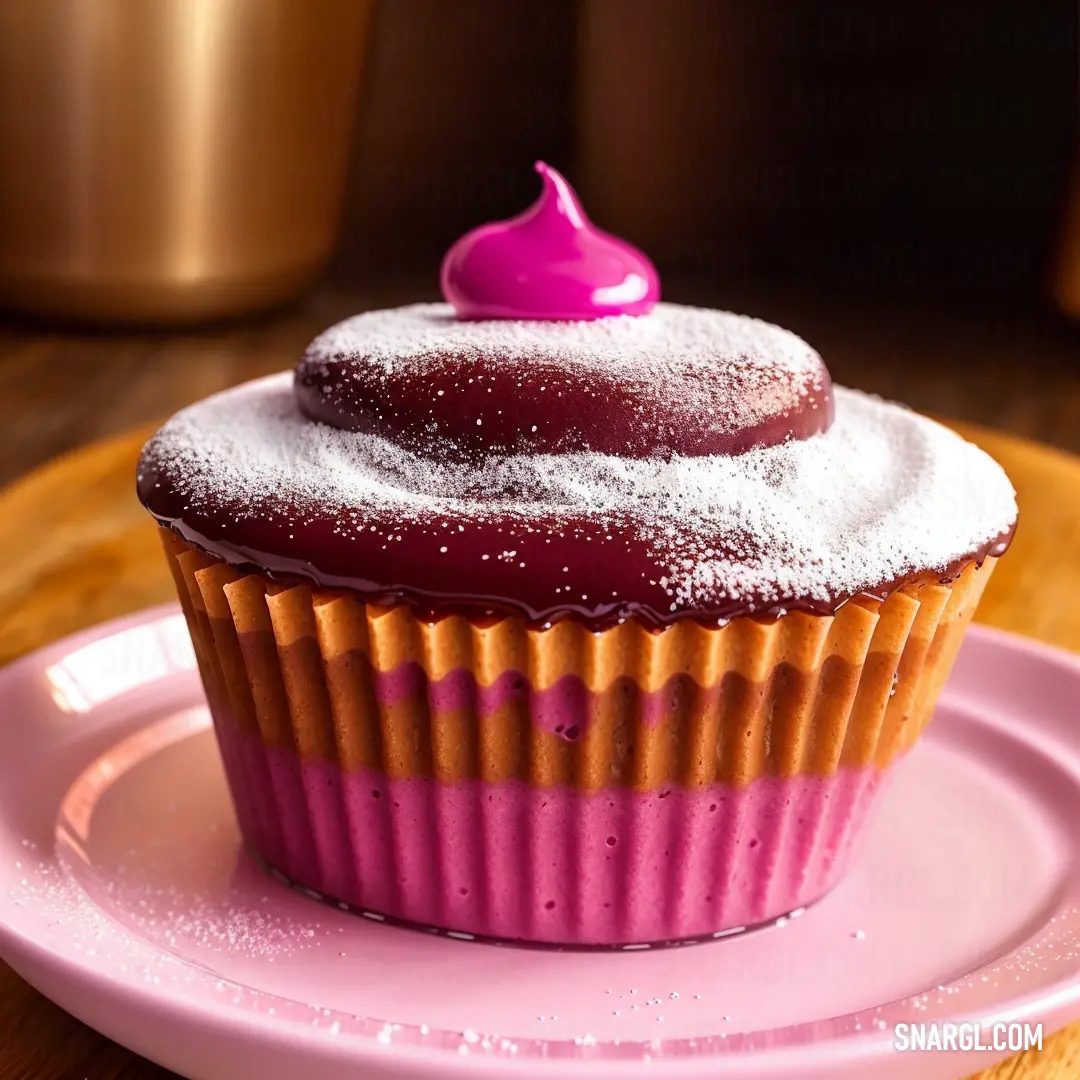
x: 440, y: 571
x: 549, y: 262
x: 482, y: 405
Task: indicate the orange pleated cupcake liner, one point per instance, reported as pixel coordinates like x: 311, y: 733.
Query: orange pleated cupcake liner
x: 686, y: 705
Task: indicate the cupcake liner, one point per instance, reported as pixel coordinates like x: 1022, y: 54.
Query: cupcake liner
x: 557, y: 784
x: 515, y: 862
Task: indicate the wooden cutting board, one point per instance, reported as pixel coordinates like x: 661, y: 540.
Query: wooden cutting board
x: 76, y: 548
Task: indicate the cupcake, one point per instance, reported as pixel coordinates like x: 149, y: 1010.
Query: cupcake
x: 558, y: 614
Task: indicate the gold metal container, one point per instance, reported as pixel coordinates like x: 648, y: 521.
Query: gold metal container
x: 168, y: 161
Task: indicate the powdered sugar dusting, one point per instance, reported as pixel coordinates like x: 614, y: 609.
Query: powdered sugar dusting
x: 677, y: 366
x: 673, y: 336
x: 882, y: 494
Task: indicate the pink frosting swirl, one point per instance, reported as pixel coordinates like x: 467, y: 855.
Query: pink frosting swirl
x: 549, y: 262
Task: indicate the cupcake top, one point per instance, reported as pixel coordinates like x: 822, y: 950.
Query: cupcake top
x: 681, y: 380
x: 677, y: 462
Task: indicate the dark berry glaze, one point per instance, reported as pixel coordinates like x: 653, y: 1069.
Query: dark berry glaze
x: 541, y: 571
x: 684, y: 381
x: 555, y: 442
x: 471, y: 406
x: 463, y: 583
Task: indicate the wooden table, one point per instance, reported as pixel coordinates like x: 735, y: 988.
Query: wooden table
x: 76, y: 548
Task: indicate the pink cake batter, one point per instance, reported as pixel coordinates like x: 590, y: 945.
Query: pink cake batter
x: 517, y: 862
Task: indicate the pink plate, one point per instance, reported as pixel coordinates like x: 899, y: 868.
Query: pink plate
x: 125, y: 896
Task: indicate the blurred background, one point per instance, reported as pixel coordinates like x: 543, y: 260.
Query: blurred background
x: 191, y: 189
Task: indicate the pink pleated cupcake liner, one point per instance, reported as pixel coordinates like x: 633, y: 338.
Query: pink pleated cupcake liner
x: 737, y: 801
x: 511, y: 861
